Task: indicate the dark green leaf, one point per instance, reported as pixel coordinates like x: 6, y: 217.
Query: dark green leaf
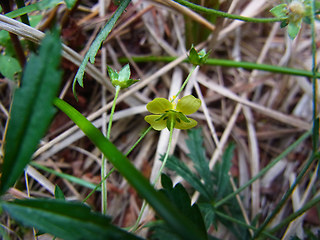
x: 166, y: 181
x: 179, y: 197
x: 180, y: 168
x: 67, y: 220
x: 209, y: 215
x: 197, y: 155
x: 31, y: 110
x: 160, y: 230
x: 223, y: 173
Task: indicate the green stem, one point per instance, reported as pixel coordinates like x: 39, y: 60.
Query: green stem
x: 239, y: 222
x: 227, y: 15
x: 264, y: 170
x: 166, y: 156
x: 296, y: 214
x: 113, y: 169
x: 112, y: 111
x: 144, y: 204
x: 137, y: 142
x: 285, y: 197
x: 315, y: 142
x: 184, y: 84
x: 97, y: 187
x: 230, y: 63
x: 104, y: 165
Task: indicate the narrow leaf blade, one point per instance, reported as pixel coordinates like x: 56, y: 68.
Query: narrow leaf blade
x: 31, y: 110
x: 67, y: 220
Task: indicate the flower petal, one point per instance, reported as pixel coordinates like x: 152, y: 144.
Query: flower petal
x: 186, y: 125
x: 155, y: 122
x: 159, y: 105
x: 188, y: 104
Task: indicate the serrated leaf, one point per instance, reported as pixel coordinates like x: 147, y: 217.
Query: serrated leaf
x: 223, y: 176
x: 9, y: 67
x: 180, y: 168
x: 67, y: 220
x: 32, y: 109
x: 198, y: 157
x: 209, y: 215
x: 179, y: 197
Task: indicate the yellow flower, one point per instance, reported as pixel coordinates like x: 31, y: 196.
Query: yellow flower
x: 168, y: 114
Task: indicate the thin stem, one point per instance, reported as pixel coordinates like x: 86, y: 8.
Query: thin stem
x: 264, y: 170
x: 230, y: 63
x: 239, y: 222
x: 104, y: 187
x: 315, y: 133
x: 227, y: 15
x: 284, y: 198
x: 144, y: 204
x: 165, y: 156
x: 104, y: 165
x: 314, y: 81
x: 112, y: 111
x: 97, y: 187
x: 137, y: 142
x: 113, y: 169
x: 185, y: 83
x: 296, y: 214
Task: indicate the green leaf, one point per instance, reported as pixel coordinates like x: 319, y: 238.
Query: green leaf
x: 124, y: 73
x: 180, y: 168
x: 96, y: 44
x: 173, y: 216
x: 223, y: 170
x: 280, y: 10
x: 294, y: 28
x: 198, y: 58
x: 42, y: 5
x: 58, y: 194
x: 70, y: 3
x: 121, y: 79
x: 31, y: 110
x: 67, y: 220
x: 179, y: 197
x: 198, y: 157
x: 9, y: 67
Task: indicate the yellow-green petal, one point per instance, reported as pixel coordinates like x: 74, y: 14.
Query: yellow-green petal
x: 157, y: 125
x: 159, y: 105
x: 185, y: 125
x: 188, y: 104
